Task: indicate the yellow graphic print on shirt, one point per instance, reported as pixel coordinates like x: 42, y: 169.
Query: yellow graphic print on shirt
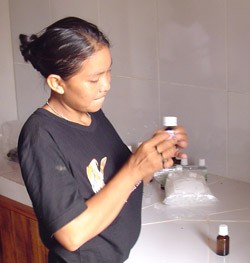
x: 96, y: 176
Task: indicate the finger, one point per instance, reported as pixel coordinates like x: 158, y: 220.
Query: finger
x: 167, y: 145
x: 181, y: 136
x: 179, y: 129
x: 160, y: 155
x: 168, y: 163
x: 169, y: 153
x: 181, y: 155
x: 158, y: 131
x: 182, y: 144
x: 166, y: 157
x: 158, y: 138
x: 162, y: 159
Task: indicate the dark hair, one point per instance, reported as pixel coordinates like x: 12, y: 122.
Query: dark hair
x: 62, y: 47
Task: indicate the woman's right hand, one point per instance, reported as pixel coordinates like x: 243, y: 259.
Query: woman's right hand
x: 153, y: 155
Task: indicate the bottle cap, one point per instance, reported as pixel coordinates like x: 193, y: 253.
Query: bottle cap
x: 223, y: 230
x: 178, y: 167
x: 169, y: 121
x: 202, y: 162
x: 184, y: 161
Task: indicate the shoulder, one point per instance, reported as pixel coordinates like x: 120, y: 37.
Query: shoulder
x: 37, y: 119
x: 34, y: 122
x: 36, y: 129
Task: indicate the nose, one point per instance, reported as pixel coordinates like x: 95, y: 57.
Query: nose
x: 105, y: 82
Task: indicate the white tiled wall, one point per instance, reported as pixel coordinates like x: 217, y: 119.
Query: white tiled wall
x: 187, y: 58
x: 8, y: 109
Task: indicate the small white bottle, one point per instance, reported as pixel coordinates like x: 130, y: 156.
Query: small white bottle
x: 184, y: 162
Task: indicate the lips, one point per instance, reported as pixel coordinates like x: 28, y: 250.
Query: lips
x: 100, y: 98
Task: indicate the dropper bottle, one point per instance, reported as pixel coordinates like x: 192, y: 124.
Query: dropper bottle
x: 223, y: 241
x: 170, y: 123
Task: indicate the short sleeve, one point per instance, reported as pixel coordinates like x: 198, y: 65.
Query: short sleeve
x: 52, y: 188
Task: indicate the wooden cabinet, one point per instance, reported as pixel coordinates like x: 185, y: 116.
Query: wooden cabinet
x: 19, y: 237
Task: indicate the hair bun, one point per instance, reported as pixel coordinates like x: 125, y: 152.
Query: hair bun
x: 26, y: 45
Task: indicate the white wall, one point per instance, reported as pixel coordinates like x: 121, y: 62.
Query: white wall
x: 8, y: 108
x: 185, y: 58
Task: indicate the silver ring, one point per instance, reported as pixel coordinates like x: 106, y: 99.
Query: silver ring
x: 163, y: 162
x: 157, y: 150
x: 162, y: 159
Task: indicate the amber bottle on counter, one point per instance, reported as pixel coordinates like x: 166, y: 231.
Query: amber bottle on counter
x: 223, y: 241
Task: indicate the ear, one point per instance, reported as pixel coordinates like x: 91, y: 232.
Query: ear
x: 55, y: 83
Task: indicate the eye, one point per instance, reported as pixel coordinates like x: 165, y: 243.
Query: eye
x: 94, y: 80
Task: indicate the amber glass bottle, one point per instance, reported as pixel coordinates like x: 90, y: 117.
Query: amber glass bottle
x: 223, y: 241
x: 170, y: 124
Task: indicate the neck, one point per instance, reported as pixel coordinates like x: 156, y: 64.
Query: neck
x: 57, y: 113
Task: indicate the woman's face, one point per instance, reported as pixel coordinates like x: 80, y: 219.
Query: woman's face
x: 86, y: 90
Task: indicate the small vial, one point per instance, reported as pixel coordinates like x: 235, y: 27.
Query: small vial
x: 202, y: 162
x: 203, y: 167
x: 184, y: 161
x: 170, y: 124
x: 223, y: 241
x: 200, y: 168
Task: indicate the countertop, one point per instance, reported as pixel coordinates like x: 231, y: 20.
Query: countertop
x: 11, y: 182
x: 188, y: 235
x: 170, y: 234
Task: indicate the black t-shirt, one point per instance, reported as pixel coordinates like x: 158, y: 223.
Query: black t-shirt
x: 63, y: 164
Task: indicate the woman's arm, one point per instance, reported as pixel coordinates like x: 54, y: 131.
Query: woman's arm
x: 104, y: 206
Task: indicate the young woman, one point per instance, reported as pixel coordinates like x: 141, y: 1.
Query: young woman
x: 84, y: 183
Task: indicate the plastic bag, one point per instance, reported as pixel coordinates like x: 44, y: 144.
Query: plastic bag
x: 184, y: 188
